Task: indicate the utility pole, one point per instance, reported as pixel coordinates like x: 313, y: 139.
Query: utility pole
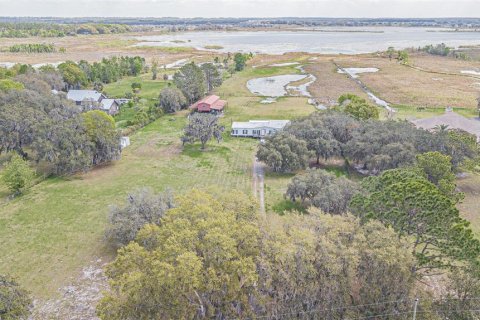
x: 415, y: 309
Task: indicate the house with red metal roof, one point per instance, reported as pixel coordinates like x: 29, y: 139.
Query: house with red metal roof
x: 211, y: 103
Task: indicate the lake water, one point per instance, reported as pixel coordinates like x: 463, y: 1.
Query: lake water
x: 326, y: 41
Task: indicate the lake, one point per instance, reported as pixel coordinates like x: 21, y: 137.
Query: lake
x: 326, y: 40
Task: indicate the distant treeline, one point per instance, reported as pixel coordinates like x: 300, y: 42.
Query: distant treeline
x: 26, y: 29
x: 34, y: 48
x: 252, y: 22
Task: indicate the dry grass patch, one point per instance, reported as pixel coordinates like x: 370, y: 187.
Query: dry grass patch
x: 403, y: 85
x: 329, y: 84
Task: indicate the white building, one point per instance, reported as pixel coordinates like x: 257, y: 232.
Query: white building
x: 257, y: 128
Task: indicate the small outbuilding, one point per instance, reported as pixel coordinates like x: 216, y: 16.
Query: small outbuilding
x: 211, y: 104
x: 258, y: 128
x: 110, y: 106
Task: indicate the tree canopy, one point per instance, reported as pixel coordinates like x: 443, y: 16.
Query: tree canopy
x: 283, y: 152
x: 202, y: 127
x: 420, y: 212
x: 323, y: 190
x: 190, y: 79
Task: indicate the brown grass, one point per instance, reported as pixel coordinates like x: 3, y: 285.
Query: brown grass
x: 403, y: 85
x: 330, y: 84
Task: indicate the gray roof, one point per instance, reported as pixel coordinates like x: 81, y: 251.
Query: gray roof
x: 107, y: 103
x: 80, y: 95
x: 258, y: 124
x: 452, y: 120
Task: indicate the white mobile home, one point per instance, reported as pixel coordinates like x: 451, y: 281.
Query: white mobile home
x: 257, y: 128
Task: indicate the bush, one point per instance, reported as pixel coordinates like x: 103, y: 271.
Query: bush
x: 15, y: 302
x: 143, y: 207
x: 17, y: 174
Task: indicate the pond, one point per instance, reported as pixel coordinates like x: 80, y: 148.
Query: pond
x: 277, y: 86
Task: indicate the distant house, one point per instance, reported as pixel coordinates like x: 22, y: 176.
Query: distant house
x: 92, y: 99
x: 257, y: 128
x: 80, y: 96
x: 209, y: 104
x: 452, y: 120
x: 110, y: 106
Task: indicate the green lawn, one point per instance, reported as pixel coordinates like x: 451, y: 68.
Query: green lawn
x: 57, y: 227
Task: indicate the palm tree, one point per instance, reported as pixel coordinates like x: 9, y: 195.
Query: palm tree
x: 441, y: 128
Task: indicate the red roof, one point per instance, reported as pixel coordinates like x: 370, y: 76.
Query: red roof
x: 213, y: 102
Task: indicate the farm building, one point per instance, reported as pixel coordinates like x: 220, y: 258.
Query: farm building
x: 209, y: 104
x: 92, y: 99
x: 110, y: 106
x: 80, y: 96
x: 452, y: 120
x: 257, y: 128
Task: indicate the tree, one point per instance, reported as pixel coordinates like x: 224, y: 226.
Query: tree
x: 240, y: 61
x: 190, y: 79
x: 202, y: 127
x: 72, y: 74
x: 391, y: 52
x: 198, y: 263
x: 402, y: 57
x: 212, y: 76
x: 172, y: 100
x: 136, y: 87
x: 7, y: 84
x: 283, y: 152
x: 100, y: 128
x: 15, y: 302
x: 438, y: 170
x: 381, y: 145
x: 358, y: 107
x: 318, y: 266
x: 17, y: 174
x: 143, y: 207
x: 318, y: 137
x: 418, y: 211
x: 323, y: 190
x: 154, y: 69
x: 460, y: 300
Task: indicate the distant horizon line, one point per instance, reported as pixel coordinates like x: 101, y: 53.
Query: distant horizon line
x: 245, y: 17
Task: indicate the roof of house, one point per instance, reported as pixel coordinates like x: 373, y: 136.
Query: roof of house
x: 80, y: 95
x: 107, y: 103
x: 210, y: 99
x: 257, y: 124
x: 452, y: 120
x: 213, y: 101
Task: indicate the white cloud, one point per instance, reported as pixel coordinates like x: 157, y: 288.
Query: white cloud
x: 242, y: 8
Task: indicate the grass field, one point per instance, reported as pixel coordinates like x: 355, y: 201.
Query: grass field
x: 57, y: 227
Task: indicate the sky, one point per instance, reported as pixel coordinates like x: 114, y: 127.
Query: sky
x: 242, y: 8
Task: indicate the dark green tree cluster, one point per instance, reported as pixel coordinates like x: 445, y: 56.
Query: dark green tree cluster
x: 25, y: 30
x: 48, y: 128
x: 357, y: 107
x: 421, y: 213
x: 439, y: 50
x: 323, y: 190
x: 112, y: 69
x: 211, y: 258
x: 370, y: 146
x: 33, y: 48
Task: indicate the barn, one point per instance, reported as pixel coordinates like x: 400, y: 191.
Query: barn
x: 211, y: 104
